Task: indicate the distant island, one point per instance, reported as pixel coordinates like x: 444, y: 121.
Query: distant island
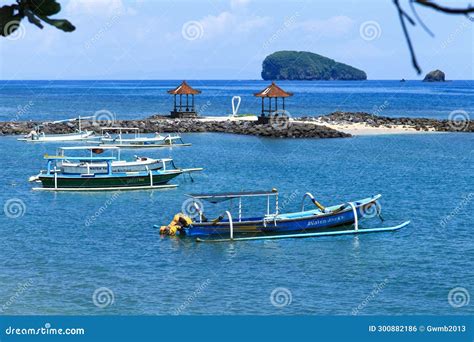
x: 435, y: 76
x: 302, y: 65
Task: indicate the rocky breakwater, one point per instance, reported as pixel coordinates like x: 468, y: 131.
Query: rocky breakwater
x: 285, y: 129
x: 419, y: 124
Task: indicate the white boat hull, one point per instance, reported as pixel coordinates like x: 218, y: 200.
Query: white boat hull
x: 141, y: 164
x: 158, y: 140
x: 57, y: 137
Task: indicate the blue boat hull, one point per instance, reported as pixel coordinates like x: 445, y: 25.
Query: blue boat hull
x: 295, y: 222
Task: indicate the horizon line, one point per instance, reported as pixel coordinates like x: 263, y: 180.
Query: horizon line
x: 223, y: 79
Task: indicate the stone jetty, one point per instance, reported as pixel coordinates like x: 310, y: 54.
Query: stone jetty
x: 303, y: 127
x: 280, y: 129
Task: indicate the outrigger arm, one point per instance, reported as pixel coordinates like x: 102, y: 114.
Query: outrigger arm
x: 316, y: 203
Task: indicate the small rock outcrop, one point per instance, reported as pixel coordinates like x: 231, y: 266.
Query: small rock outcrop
x: 435, y: 76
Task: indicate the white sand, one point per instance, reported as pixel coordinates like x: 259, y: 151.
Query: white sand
x: 351, y: 128
x: 364, y: 129
x: 228, y: 118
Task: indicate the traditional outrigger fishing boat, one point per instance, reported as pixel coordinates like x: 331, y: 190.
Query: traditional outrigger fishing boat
x: 68, y: 166
x: 38, y: 134
x: 137, y: 141
x: 100, y: 173
x: 320, y: 221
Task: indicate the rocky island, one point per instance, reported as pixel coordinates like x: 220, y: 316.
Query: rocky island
x: 435, y: 76
x: 302, y: 65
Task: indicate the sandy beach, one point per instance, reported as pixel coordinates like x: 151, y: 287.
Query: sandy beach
x: 346, y: 127
x: 365, y: 129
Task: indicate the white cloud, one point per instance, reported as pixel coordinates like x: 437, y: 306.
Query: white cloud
x: 226, y: 23
x: 235, y: 4
x: 215, y: 25
x: 332, y: 27
x: 95, y: 7
x: 253, y: 23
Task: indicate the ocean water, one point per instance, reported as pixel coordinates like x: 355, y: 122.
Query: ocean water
x: 54, y: 100
x: 52, y: 262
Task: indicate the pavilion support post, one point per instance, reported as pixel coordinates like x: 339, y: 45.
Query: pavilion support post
x: 273, y: 93
x: 184, y: 107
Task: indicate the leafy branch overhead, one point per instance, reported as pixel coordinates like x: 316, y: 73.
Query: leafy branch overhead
x: 406, y: 18
x: 36, y: 11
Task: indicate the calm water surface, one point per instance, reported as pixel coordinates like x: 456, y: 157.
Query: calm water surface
x: 423, y: 178
x: 54, y: 100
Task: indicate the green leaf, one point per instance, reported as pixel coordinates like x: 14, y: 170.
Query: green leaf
x: 61, y: 24
x: 9, y: 22
x: 44, y: 7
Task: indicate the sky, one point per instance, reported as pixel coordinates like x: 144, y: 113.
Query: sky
x: 210, y: 39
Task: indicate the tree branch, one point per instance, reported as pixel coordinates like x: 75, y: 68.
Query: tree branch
x: 430, y: 4
x: 402, y: 15
x: 444, y: 9
x: 417, y: 17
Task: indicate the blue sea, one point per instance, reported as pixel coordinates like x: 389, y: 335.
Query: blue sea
x: 55, y: 100
x: 98, y: 253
